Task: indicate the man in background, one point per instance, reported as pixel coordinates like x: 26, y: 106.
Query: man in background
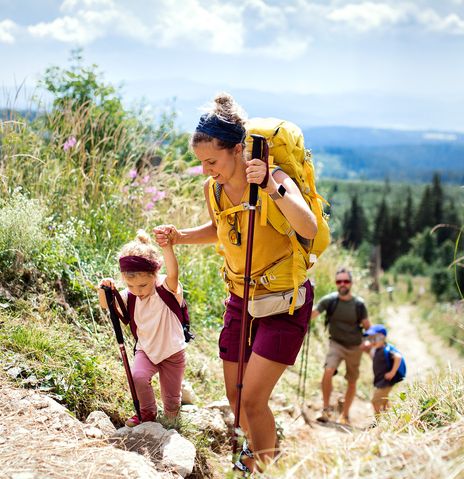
x: 346, y: 318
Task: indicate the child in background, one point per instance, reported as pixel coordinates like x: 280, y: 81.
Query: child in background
x: 388, y: 365
x: 161, y: 343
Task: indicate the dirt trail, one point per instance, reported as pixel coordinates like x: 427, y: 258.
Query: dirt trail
x: 422, y: 349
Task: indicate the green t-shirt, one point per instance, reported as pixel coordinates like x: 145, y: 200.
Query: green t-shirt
x: 344, y: 327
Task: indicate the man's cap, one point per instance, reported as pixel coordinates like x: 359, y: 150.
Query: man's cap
x: 376, y: 329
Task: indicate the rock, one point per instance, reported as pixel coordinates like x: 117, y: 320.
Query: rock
x: 189, y: 408
x: 15, y: 372
x: 223, y: 405
x: 178, y: 454
x: 92, y: 431
x: 212, y: 423
x: 188, y: 394
x: 151, y: 440
x: 100, y: 420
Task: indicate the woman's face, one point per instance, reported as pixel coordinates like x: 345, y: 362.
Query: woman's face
x: 218, y: 163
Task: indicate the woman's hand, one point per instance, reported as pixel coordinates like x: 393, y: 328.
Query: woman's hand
x: 256, y: 171
x: 165, y: 235
x: 107, y: 282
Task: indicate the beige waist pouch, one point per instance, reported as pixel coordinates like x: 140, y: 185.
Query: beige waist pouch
x: 275, y: 303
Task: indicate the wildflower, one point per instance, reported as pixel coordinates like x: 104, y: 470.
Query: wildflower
x: 146, y: 179
x: 150, y: 189
x: 133, y: 173
x: 194, y: 170
x: 69, y: 143
x: 149, y: 206
x: 159, y: 195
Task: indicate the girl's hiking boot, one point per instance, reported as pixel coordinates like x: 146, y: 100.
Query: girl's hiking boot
x: 326, y: 415
x: 133, y: 421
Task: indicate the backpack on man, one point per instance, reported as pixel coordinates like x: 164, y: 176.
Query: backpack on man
x: 287, y: 152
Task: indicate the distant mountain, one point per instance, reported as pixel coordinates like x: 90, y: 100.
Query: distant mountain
x: 366, y: 153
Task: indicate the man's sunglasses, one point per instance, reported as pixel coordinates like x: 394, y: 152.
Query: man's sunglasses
x: 343, y: 281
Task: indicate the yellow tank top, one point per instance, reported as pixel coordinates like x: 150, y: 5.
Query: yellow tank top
x: 270, y: 249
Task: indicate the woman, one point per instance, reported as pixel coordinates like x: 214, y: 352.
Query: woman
x: 272, y: 342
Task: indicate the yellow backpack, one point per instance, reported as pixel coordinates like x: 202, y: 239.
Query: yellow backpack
x: 287, y: 152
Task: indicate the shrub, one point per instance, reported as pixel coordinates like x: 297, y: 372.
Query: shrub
x: 410, y: 264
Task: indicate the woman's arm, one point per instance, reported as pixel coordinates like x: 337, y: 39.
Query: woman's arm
x: 203, y: 234
x: 292, y: 204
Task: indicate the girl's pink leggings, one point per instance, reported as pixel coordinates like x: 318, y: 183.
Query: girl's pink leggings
x: 171, y: 373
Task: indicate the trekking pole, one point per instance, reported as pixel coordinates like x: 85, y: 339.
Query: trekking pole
x: 259, y: 143
x: 122, y: 349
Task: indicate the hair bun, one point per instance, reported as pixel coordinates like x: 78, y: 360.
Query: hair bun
x: 143, y: 237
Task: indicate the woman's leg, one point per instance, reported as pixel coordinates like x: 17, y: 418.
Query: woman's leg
x: 171, y: 374
x: 260, y: 378
x: 142, y: 372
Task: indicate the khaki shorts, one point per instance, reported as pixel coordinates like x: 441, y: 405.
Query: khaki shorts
x: 350, y: 354
x: 380, y: 397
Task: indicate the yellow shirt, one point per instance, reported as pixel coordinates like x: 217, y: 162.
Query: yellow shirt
x: 269, y: 248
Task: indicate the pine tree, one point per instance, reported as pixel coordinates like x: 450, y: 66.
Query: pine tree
x: 355, y: 226
x: 382, y: 234
x: 408, y: 223
x: 424, y: 216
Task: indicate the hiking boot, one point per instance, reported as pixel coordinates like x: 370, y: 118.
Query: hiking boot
x: 345, y: 420
x: 326, y: 415
x: 133, y: 421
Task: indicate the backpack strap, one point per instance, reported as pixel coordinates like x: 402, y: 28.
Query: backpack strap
x: 181, y: 311
x: 387, y: 352
x: 331, y: 307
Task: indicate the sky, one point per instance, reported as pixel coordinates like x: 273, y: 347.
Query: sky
x: 378, y: 64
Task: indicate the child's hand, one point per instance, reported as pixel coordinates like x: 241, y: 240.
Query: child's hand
x: 389, y: 376
x: 165, y: 235
x: 366, y: 346
x: 107, y: 282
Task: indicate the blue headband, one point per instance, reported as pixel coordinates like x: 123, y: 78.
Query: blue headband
x: 223, y: 130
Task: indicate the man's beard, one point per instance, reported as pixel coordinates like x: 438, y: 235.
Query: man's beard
x: 343, y: 291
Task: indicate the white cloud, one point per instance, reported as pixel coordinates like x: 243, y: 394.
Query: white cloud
x: 7, y: 27
x: 367, y: 16
x: 67, y: 30
x: 217, y: 28
x: 225, y: 27
x: 451, y: 24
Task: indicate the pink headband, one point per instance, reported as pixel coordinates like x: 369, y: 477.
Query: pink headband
x: 134, y: 264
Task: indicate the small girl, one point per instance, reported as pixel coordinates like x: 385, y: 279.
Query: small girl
x: 161, y: 343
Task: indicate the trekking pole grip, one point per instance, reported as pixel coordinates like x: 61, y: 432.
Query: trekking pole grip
x: 256, y: 152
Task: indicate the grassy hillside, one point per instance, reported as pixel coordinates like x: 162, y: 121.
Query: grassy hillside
x: 76, y: 183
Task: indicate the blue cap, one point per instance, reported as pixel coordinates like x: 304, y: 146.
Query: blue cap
x: 376, y: 329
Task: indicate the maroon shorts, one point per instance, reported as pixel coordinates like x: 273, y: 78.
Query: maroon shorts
x: 277, y: 338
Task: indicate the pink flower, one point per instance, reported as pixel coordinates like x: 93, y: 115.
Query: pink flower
x: 149, y: 206
x: 150, y: 189
x: 159, y: 195
x: 194, y: 170
x: 146, y: 179
x: 69, y: 143
x: 133, y: 173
